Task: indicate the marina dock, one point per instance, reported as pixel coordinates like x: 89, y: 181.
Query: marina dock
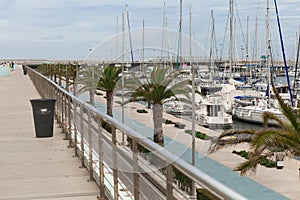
x: 45, y: 168
x: 35, y: 168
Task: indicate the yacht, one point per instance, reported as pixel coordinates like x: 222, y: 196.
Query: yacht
x: 211, y: 113
x: 254, y: 113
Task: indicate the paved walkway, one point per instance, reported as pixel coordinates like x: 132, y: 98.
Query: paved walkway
x: 265, y: 184
x: 30, y: 167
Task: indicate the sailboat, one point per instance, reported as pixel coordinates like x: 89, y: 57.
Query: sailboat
x: 254, y: 113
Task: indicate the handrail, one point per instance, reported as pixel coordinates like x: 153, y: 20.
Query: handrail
x: 68, y: 102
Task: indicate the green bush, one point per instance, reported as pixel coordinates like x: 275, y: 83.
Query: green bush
x: 244, y: 154
x: 142, y: 111
x: 268, y: 163
x: 198, y: 134
x: 167, y: 121
x: 265, y: 162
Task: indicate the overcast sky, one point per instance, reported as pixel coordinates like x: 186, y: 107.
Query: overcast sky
x: 69, y: 29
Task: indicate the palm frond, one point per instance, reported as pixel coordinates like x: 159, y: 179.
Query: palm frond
x: 267, y: 116
x: 250, y: 164
x: 231, y: 138
x: 286, y: 109
x: 276, y: 138
x: 109, y: 79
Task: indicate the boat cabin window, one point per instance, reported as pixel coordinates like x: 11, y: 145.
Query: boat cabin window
x: 213, y: 110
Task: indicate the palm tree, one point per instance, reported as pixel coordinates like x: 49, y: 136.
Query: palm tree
x: 264, y: 143
x: 88, y: 78
x: 160, y: 89
x: 108, y: 82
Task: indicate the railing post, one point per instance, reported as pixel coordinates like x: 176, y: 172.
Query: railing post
x: 90, y: 146
x: 169, y: 176
x: 81, y: 136
x: 75, y: 114
x: 136, y: 182
x: 115, y: 164
x: 100, y: 153
x: 62, y: 110
x: 70, y: 106
x: 64, y: 115
x: 57, y: 104
x: 58, y: 107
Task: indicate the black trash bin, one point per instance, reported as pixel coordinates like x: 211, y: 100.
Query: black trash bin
x: 43, y: 114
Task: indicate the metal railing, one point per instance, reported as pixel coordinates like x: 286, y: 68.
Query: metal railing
x: 121, y: 171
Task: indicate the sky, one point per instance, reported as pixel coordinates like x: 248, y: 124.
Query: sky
x: 74, y: 29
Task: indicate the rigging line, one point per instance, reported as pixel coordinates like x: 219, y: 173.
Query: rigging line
x: 283, y: 54
x: 130, y: 41
x: 238, y: 15
x: 224, y: 36
x: 178, y: 47
x: 296, y: 65
x: 208, y: 34
x: 255, y: 45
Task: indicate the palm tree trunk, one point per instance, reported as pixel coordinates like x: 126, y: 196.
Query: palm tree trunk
x: 157, y: 121
x: 109, y: 103
x: 92, y: 97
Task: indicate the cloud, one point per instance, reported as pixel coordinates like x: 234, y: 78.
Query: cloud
x: 76, y: 25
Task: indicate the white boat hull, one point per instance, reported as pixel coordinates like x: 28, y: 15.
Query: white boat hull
x: 214, y: 122
x: 255, y: 115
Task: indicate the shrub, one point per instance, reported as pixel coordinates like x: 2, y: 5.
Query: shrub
x: 142, y: 111
x: 268, y: 163
x: 167, y: 121
x: 265, y: 162
x: 198, y: 134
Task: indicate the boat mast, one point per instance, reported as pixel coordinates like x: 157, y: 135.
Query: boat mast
x: 117, y: 39
x: 268, y: 52
x: 296, y: 66
x: 231, y: 37
x: 163, y: 58
x: 179, y: 47
x: 143, y: 54
x: 247, y: 48
x: 212, y: 42
x: 130, y: 40
x: 180, y: 35
x: 283, y: 55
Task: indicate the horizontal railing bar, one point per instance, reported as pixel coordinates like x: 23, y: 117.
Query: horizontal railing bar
x: 186, y: 168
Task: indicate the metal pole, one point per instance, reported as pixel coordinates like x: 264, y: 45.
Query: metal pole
x: 90, y: 145
x: 135, y: 169
x: 65, y: 124
x: 69, y: 121
x: 75, y: 128
x: 122, y: 79
x: 114, y: 159
x: 100, y: 153
x: 231, y: 38
x: 268, y: 52
x: 180, y: 35
x: 81, y: 136
x: 193, y: 189
x: 169, y: 175
x: 117, y: 38
x: 143, y: 59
